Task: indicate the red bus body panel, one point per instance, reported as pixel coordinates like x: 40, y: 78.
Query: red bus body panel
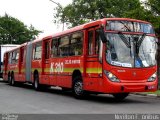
x: 59, y: 71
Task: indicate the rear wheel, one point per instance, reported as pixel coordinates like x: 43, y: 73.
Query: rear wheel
x: 9, y: 78
x: 36, y: 82
x: 12, y: 80
x: 120, y: 96
x: 78, y: 91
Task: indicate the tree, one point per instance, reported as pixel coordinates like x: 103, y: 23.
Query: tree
x: 13, y: 31
x: 81, y: 11
x: 153, y: 7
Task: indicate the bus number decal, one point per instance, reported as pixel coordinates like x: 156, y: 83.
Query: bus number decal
x: 57, y: 67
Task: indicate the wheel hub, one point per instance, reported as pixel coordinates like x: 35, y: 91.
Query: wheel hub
x: 78, y: 88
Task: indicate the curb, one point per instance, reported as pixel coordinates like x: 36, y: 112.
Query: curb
x: 149, y: 95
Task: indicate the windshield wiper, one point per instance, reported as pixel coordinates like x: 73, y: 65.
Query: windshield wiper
x: 139, y: 42
x: 124, y: 39
x: 126, y: 42
x: 141, y: 39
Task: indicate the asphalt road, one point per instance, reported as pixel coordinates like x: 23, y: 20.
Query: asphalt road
x: 25, y: 100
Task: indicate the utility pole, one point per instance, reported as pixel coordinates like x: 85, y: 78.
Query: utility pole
x: 58, y: 4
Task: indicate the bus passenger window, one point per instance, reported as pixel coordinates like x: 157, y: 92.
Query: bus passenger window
x: 64, y: 46
x: 47, y: 50
x: 13, y: 57
x: 55, y: 46
x: 37, y: 51
x: 76, y: 44
x: 17, y: 56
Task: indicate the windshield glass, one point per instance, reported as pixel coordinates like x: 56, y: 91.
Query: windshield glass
x: 130, y: 50
x: 147, y: 51
x: 129, y: 26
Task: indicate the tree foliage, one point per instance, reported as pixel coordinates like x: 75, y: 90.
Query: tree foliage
x: 153, y: 6
x: 13, y: 31
x: 82, y: 11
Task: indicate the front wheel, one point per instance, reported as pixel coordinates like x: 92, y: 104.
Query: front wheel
x: 78, y: 91
x: 120, y: 96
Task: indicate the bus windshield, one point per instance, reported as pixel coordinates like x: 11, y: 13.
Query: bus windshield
x: 129, y: 26
x: 131, y: 50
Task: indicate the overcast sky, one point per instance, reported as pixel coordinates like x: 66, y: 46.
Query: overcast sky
x: 39, y: 13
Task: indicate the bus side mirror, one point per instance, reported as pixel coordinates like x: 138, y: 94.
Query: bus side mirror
x: 102, y: 35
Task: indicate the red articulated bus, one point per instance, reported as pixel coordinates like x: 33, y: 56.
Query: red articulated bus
x: 112, y: 55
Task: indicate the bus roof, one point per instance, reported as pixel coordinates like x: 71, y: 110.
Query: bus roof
x: 81, y: 27
x: 9, y: 45
x: 93, y: 23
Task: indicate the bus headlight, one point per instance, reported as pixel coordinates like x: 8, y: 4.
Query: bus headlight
x: 111, y: 76
x: 153, y: 77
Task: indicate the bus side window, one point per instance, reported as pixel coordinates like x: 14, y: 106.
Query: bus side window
x: 64, y: 46
x: 47, y: 50
x: 16, y: 56
x: 37, y: 51
x: 76, y: 44
x: 10, y: 57
x: 97, y: 42
x: 90, y: 42
x: 55, y: 46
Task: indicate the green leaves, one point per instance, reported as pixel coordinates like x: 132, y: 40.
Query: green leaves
x: 154, y: 6
x: 82, y: 11
x: 13, y: 31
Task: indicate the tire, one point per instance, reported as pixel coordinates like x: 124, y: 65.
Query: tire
x: 12, y: 80
x: 120, y: 96
x: 9, y: 79
x: 77, y: 88
x: 36, y: 84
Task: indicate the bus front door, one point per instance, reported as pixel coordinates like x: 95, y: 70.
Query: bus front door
x: 93, y: 65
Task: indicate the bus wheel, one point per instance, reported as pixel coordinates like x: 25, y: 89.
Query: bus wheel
x: 36, y: 82
x: 12, y: 79
x: 120, y: 96
x: 9, y: 79
x: 78, y: 91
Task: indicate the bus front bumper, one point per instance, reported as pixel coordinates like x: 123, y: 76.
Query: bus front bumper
x: 112, y: 87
